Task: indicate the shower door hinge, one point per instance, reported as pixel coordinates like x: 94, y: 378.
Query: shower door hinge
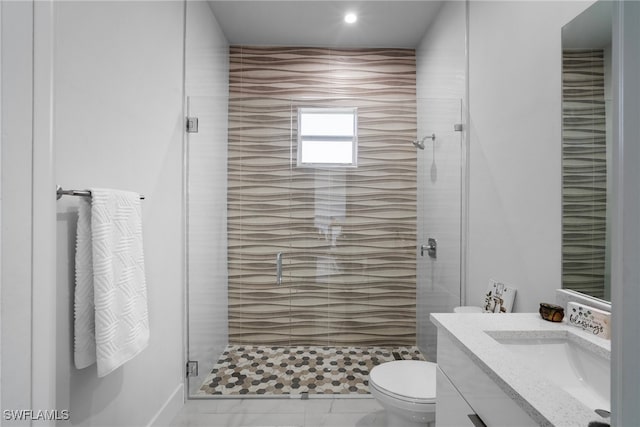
x: 192, y: 124
x: 458, y: 127
x: 192, y: 368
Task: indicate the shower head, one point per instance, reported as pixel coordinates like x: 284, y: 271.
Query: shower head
x: 420, y: 144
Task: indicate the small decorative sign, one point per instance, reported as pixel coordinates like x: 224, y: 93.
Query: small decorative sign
x: 589, y: 319
x: 499, y: 298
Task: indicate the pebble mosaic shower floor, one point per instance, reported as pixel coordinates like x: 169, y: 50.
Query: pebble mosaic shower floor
x: 263, y: 370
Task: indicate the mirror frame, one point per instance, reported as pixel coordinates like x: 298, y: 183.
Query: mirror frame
x: 586, y: 151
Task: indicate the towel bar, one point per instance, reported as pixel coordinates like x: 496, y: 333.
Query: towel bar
x: 84, y: 193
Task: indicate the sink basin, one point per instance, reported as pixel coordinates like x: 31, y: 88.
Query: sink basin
x: 565, y: 360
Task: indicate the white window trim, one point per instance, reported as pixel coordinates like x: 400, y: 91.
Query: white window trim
x: 351, y: 138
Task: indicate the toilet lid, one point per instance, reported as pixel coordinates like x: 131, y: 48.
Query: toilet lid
x: 411, y: 379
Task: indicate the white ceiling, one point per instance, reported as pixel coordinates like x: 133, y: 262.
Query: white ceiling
x: 393, y: 23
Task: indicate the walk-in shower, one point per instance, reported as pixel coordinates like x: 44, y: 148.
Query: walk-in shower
x: 322, y: 267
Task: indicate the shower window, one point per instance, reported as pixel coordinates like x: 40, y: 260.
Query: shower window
x: 327, y: 137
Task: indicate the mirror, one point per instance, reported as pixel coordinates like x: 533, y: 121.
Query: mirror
x: 586, y: 151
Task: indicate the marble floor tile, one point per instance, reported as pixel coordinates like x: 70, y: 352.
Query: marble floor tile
x: 329, y: 412
x: 353, y: 419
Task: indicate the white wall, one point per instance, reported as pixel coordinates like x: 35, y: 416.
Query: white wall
x: 118, y: 106
x: 17, y: 148
x: 28, y: 216
x: 440, y: 88
x: 207, y: 91
x: 514, y: 105
x: 625, y: 341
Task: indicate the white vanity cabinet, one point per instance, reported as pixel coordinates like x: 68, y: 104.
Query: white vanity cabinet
x: 451, y: 408
x: 509, y: 370
x: 464, y: 389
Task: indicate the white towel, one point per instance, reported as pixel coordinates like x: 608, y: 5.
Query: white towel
x: 84, y: 347
x: 119, y: 288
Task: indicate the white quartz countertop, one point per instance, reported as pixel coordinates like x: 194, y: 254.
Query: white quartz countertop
x: 543, y: 400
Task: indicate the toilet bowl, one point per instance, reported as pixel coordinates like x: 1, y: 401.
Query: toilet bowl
x: 406, y: 389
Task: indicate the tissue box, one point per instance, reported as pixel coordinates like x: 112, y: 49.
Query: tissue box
x: 589, y: 319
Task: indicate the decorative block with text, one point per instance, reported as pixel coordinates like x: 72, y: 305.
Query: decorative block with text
x: 589, y: 319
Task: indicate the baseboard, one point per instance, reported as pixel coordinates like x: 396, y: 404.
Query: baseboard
x: 170, y: 409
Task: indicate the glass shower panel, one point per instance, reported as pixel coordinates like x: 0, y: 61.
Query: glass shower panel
x: 259, y: 220
x: 439, y: 183
x: 346, y: 237
x: 206, y: 235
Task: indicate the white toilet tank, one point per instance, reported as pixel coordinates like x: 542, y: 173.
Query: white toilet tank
x: 467, y: 309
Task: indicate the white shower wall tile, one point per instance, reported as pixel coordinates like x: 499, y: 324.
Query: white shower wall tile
x: 441, y: 55
x: 206, y: 53
x: 440, y: 86
x: 439, y: 201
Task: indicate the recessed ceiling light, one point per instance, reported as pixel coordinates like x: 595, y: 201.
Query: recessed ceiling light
x: 350, y: 18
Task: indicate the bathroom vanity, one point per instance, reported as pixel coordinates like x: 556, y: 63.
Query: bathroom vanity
x: 519, y: 370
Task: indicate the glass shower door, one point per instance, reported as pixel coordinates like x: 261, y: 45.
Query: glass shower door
x: 439, y: 183
x: 352, y: 264
x: 346, y: 236
x: 207, y: 292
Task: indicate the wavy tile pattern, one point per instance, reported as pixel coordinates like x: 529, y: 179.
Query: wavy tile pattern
x: 348, y: 234
x: 584, y: 171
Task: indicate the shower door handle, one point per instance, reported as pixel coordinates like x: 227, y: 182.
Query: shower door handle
x: 279, y: 268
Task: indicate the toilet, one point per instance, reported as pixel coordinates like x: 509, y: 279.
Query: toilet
x: 467, y: 309
x: 407, y: 402
x: 406, y: 389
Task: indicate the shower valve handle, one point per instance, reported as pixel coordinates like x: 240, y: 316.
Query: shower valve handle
x: 431, y: 247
